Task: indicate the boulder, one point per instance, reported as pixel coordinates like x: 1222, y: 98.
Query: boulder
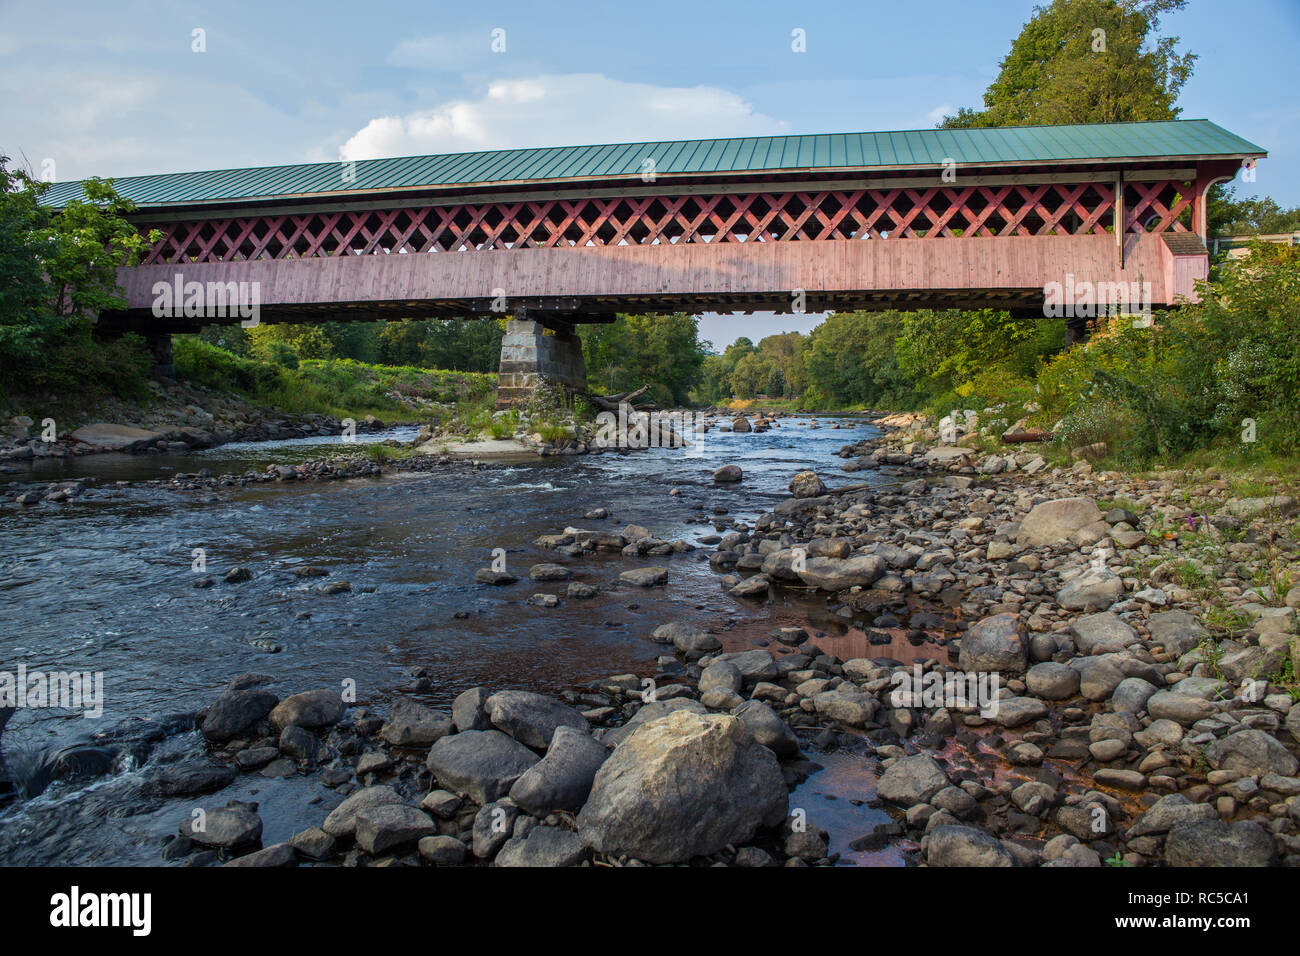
x: 532, y: 718
x: 235, y: 713
x: 996, y: 643
x: 1091, y: 590
x: 965, y: 846
x: 411, y: 724
x: 835, y: 574
x: 390, y: 826
x: 480, y: 764
x: 543, y: 846
x: 768, y: 728
x: 562, y: 779
x: 1054, y: 523
x: 683, y: 786
x: 312, y: 709
x: 728, y: 473
x: 342, y: 820
x: 1213, y: 843
x: 115, y: 437
x: 223, y: 827
x: 1251, y: 753
x: 806, y: 484
x: 1093, y: 631
x: 911, y: 780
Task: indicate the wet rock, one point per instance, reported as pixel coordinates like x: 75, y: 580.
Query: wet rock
x: 549, y: 572
x: 223, y: 827
x: 729, y: 473
x: 645, y: 577
x: 312, y: 709
x: 683, y: 786
x: 236, y: 713
x: 188, y: 780
x: 276, y: 855
x: 806, y: 484
x: 238, y: 575
x: 833, y: 574
x: 481, y: 764
x: 489, y: 576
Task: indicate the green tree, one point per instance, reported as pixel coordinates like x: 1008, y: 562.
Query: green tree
x: 59, y: 273
x: 1087, y: 61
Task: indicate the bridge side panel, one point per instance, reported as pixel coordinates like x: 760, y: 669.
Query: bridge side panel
x: 694, y: 269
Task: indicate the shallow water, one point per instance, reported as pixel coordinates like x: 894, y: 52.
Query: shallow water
x: 106, y: 584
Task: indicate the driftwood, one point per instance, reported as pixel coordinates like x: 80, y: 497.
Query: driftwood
x: 1018, y: 437
x: 611, y: 403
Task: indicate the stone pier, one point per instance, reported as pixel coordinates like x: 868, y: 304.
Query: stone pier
x: 532, y: 351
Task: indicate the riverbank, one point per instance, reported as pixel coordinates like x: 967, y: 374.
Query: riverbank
x: 1124, y: 638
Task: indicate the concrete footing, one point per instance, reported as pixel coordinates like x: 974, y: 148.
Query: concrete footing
x: 531, y: 352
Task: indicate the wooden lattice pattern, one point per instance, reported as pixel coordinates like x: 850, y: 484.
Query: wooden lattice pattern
x: 901, y: 213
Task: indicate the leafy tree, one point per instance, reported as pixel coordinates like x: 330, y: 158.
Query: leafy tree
x: 59, y: 273
x: 1087, y: 61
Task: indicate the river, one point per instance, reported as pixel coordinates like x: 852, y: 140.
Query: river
x: 105, y: 583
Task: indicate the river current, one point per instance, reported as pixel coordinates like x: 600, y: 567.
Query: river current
x: 105, y: 583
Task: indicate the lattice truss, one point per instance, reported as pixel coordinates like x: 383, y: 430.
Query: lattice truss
x: 903, y: 213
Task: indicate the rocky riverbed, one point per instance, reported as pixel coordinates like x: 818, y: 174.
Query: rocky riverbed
x: 1137, y: 636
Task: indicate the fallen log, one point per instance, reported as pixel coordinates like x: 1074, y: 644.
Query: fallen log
x: 1014, y: 438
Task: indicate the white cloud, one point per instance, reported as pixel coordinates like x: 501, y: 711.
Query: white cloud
x: 561, y: 110
x: 937, y: 114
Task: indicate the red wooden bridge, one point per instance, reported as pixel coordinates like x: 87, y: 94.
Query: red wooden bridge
x: 923, y: 219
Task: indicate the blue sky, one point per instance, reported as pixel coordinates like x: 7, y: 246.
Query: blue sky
x: 117, y: 89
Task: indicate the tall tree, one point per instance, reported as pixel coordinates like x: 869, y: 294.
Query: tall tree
x: 1087, y: 61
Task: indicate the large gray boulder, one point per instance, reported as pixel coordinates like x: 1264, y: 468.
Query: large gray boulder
x: 996, y: 643
x: 681, y: 787
x: 562, y: 779
x: 532, y: 718
x: 480, y: 764
x: 1055, y: 522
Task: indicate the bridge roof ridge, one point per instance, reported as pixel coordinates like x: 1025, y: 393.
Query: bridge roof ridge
x: 747, y: 155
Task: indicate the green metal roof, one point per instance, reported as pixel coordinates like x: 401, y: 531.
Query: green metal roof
x: 929, y: 148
